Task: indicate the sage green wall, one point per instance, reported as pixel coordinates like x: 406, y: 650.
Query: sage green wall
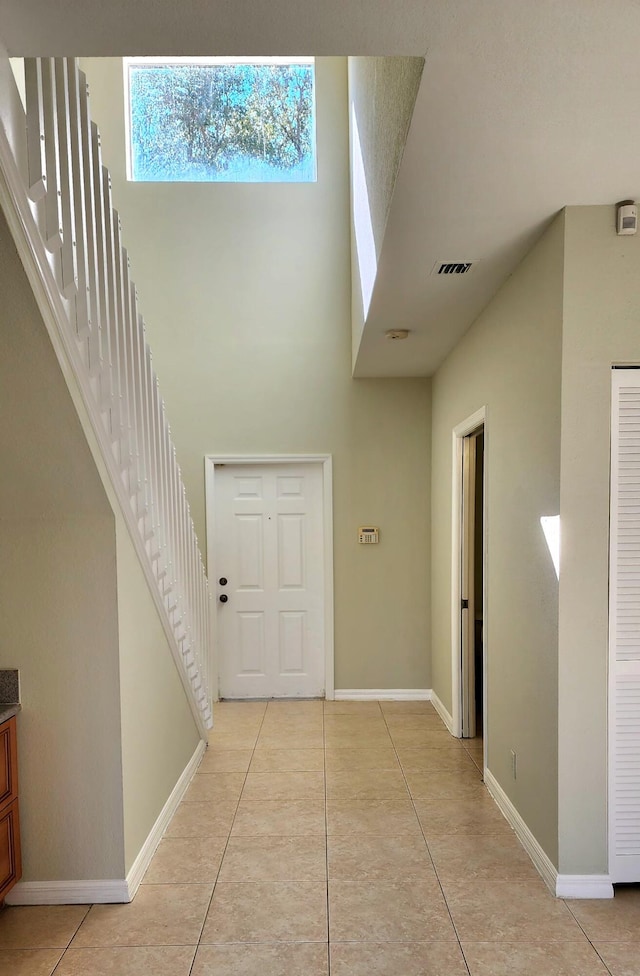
x: 601, y: 327
x: 58, y: 611
x: 510, y: 362
x: 102, y: 700
x: 245, y: 289
x: 159, y: 734
x: 59, y: 626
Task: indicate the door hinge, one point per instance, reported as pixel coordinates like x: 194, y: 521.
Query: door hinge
x: 465, y: 604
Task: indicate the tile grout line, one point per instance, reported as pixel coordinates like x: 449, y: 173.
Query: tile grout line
x: 435, y: 870
x: 304, y: 942
x: 582, y: 929
x: 480, y: 768
x: 215, y: 883
x: 326, y: 834
x: 467, y: 965
x: 66, y: 948
x: 59, y: 965
x: 327, y: 942
x: 327, y: 825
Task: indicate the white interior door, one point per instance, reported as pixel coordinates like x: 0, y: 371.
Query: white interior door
x: 269, y: 548
x: 624, y: 630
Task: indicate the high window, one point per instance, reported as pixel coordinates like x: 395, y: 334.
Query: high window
x: 221, y: 120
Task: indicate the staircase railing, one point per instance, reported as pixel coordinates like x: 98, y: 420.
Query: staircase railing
x: 63, y: 198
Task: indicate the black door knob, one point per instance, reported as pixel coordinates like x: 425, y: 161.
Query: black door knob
x: 223, y: 581
x: 223, y: 598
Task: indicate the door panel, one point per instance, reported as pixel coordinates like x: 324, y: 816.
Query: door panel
x: 251, y: 643
x: 289, y: 487
x: 291, y: 545
x: 248, y: 487
x: 250, y: 561
x: 292, y: 632
x: 269, y: 546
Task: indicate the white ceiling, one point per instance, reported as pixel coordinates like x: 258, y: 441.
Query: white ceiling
x: 106, y: 28
x: 524, y: 107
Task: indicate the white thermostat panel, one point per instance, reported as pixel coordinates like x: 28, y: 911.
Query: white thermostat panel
x: 368, y: 533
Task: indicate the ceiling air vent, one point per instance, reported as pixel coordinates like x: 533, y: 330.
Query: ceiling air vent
x: 452, y: 267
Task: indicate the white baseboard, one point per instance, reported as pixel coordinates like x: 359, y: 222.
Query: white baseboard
x: 382, y: 694
x: 444, y: 714
x: 68, y: 892
x: 584, y: 886
x: 110, y: 891
x: 541, y: 860
x: 148, y: 849
x: 562, y: 885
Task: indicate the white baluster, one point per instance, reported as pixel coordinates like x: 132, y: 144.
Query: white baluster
x: 119, y: 298
x: 87, y: 317
x: 138, y: 407
x: 180, y: 567
x: 67, y: 204
x: 126, y: 330
x: 53, y: 206
x: 144, y: 437
x: 155, y: 542
x: 173, y: 597
x: 36, y: 157
x: 112, y: 253
x: 82, y: 231
x: 165, y: 569
x: 98, y: 268
x: 190, y: 598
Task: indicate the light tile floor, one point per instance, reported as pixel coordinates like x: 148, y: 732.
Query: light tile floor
x: 355, y: 839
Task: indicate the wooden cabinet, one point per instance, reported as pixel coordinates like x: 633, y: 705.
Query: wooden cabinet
x: 10, y: 860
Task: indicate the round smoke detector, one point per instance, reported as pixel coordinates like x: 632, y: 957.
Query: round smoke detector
x: 397, y: 334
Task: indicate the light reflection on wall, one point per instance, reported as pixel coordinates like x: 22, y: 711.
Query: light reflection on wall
x: 363, y: 227
x: 551, y: 528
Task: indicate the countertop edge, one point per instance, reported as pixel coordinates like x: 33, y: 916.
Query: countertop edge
x: 7, y: 711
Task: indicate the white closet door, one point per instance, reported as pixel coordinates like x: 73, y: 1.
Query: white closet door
x: 624, y: 629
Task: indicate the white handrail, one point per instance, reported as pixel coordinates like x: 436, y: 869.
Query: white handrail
x: 68, y: 192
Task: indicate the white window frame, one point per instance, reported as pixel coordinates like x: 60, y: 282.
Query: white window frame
x: 163, y: 62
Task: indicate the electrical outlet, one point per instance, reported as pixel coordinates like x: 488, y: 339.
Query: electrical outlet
x: 514, y: 764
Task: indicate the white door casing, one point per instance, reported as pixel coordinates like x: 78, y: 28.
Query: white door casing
x: 477, y: 420
x: 268, y: 540
x: 467, y: 586
x: 624, y: 629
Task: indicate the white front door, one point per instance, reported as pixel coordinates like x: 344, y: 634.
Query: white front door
x: 268, y: 534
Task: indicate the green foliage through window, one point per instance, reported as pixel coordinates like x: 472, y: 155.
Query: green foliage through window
x: 234, y: 122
